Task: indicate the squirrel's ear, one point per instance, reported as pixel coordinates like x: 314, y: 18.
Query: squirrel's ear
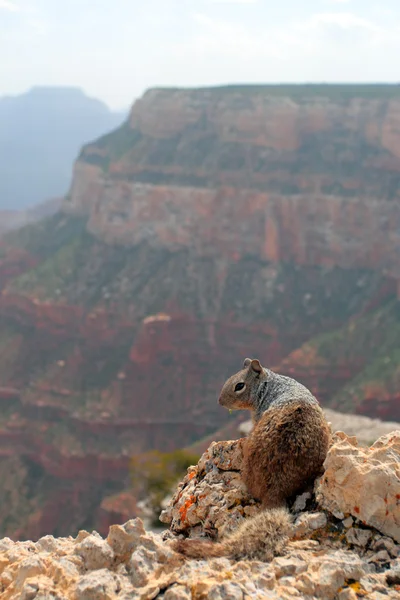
x: 247, y: 362
x: 256, y: 366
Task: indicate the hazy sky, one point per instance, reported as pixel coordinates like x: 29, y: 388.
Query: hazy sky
x: 115, y: 49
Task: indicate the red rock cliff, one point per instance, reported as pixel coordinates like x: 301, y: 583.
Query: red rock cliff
x: 306, y: 177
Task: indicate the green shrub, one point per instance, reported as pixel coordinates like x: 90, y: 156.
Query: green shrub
x: 155, y: 473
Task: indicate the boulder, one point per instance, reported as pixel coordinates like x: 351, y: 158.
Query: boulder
x: 212, y: 499
x: 364, y: 482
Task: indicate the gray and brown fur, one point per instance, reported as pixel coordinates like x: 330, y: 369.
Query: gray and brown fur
x: 261, y: 538
x: 283, y: 454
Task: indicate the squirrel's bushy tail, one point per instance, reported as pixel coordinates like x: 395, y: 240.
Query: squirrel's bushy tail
x: 199, y: 548
x: 261, y: 537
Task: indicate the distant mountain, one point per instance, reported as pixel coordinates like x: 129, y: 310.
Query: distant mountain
x: 14, y: 219
x: 41, y: 133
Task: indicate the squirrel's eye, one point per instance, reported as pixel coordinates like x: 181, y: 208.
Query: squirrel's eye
x: 239, y: 386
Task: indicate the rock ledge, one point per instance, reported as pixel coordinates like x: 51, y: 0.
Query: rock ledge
x: 344, y: 547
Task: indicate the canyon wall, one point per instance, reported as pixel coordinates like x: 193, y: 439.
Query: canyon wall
x: 311, y: 177
x: 212, y: 225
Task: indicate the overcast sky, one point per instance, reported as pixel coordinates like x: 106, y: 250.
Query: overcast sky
x: 115, y: 49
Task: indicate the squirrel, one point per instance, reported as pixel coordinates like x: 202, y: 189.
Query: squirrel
x: 282, y: 456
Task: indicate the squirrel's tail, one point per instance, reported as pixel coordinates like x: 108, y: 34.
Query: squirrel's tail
x: 261, y: 537
x: 199, y: 548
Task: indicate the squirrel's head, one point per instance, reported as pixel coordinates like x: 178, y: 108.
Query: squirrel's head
x: 239, y: 391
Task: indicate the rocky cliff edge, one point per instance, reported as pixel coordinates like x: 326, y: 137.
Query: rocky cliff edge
x: 345, y: 541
